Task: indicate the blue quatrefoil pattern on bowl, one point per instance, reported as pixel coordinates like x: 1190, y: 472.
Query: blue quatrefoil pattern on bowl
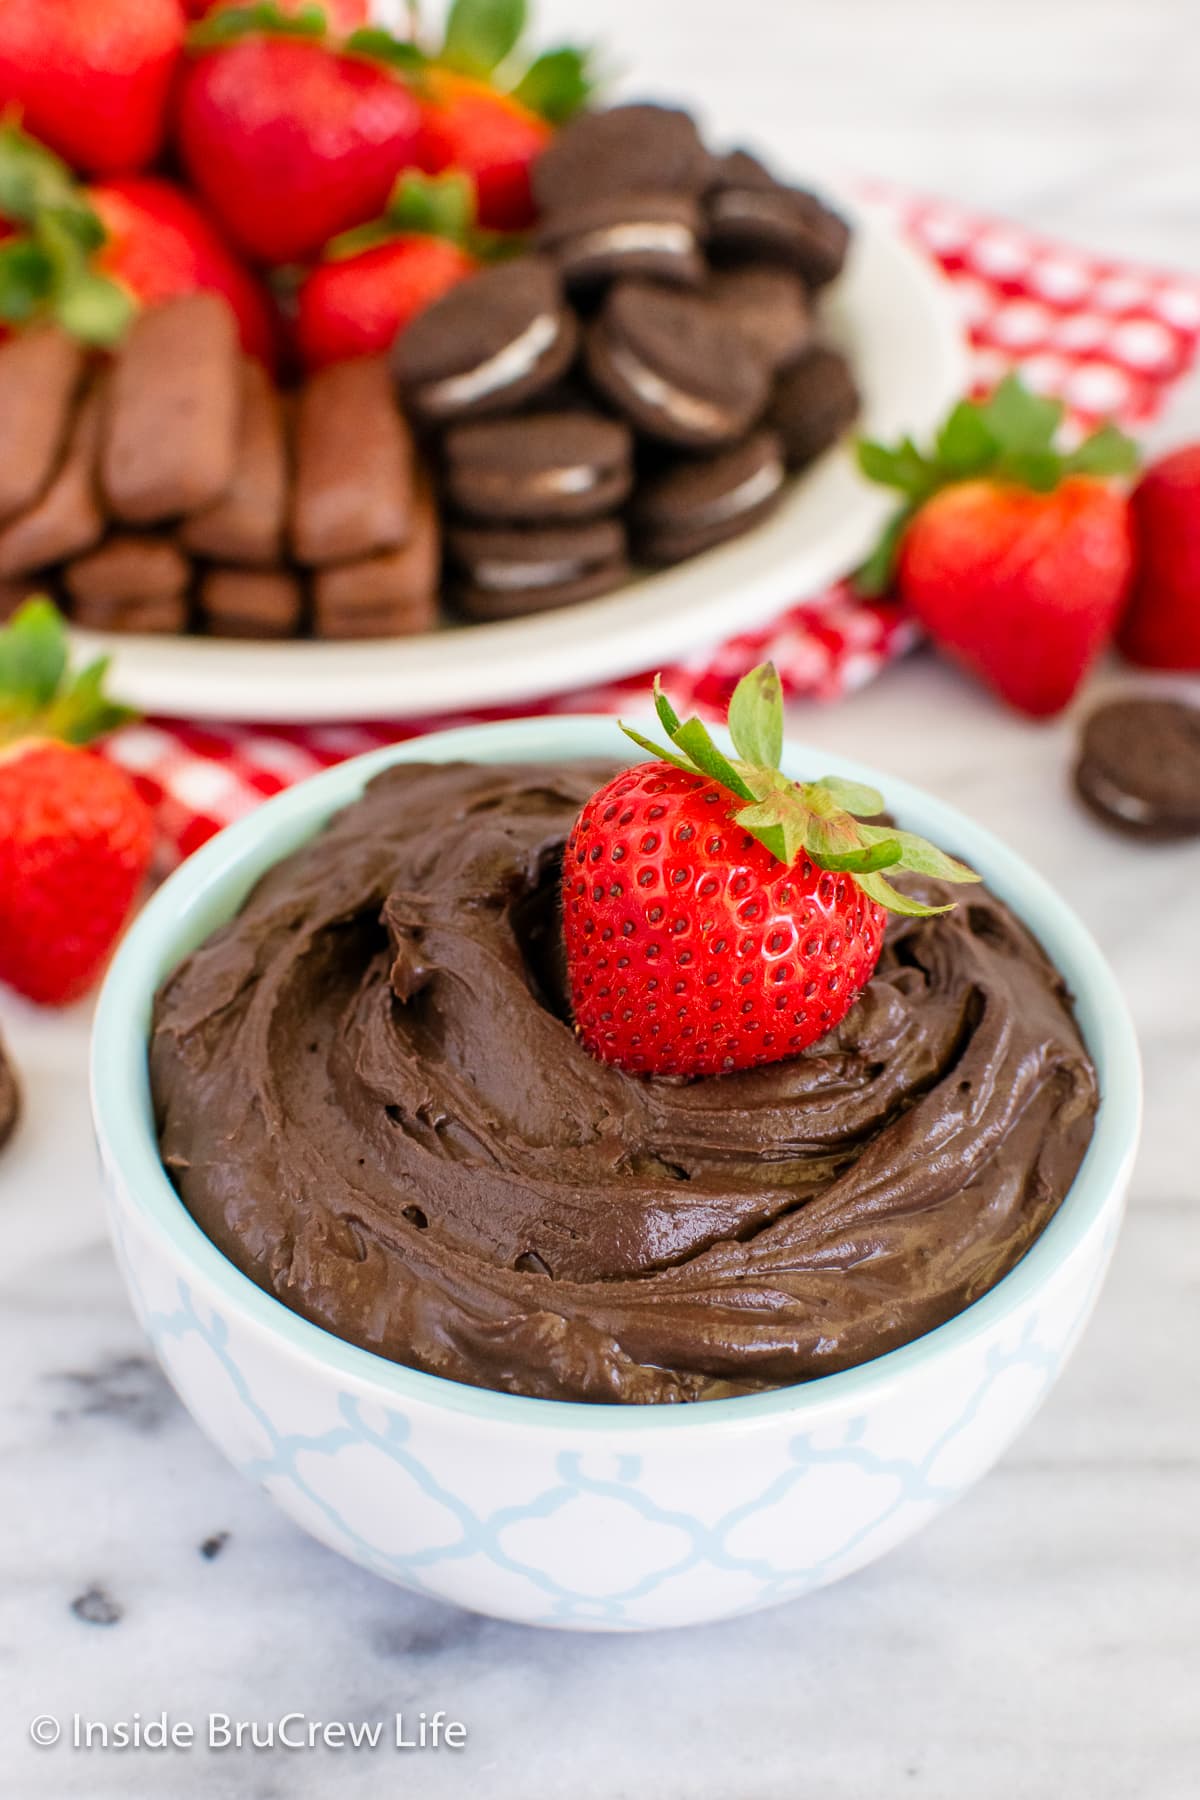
x: 496, y: 1523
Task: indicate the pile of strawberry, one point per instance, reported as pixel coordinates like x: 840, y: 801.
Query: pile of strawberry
x: 328, y: 178
x: 1024, y: 561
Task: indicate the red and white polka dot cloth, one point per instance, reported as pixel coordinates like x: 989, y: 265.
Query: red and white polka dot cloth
x: 1109, y: 339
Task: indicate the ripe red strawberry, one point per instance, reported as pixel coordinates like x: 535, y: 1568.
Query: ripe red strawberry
x: 289, y: 138
x: 160, y: 244
x: 491, y: 133
x: 376, y: 279
x: 1161, y: 628
x: 716, y: 914
x: 92, y: 77
x: 75, y: 836
x: 491, y: 136
x: 1016, y: 558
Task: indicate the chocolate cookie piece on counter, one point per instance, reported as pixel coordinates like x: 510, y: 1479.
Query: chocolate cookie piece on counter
x: 487, y: 345
x: 171, y: 423
x: 245, y: 526
x: 542, y: 466
x: 353, y: 489
x: 66, y: 519
x: 622, y: 150
x: 656, y: 237
x: 752, y: 215
x: 131, y: 583
x: 701, y: 501
x: 814, y: 403
x: 40, y: 373
x: 676, y: 367
x: 10, y: 1098
x: 506, y: 572
x: 1139, y: 767
x: 392, y: 595
x: 770, y: 308
x: 251, y: 603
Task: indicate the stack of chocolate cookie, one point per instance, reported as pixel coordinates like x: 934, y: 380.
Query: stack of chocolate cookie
x: 638, y: 384
x: 174, y: 488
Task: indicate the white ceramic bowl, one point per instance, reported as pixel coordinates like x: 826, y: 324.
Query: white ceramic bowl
x: 592, y: 1517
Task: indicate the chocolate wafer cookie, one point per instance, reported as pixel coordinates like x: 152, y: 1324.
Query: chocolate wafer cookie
x: 245, y: 526
x: 131, y: 583
x: 66, y: 519
x: 391, y: 595
x: 1139, y: 767
x: 170, y: 432
x: 353, y: 490
x: 40, y: 373
x: 10, y: 1098
x: 251, y: 603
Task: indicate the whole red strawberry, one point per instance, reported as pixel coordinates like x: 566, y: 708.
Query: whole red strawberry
x: 1161, y: 627
x: 375, y: 280
x: 1016, y: 558
x: 160, y: 244
x: 92, y: 77
x: 341, y: 16
x: 289, y: 137
x: 75, y: 836
x: 489, y: 132
x: 718, y: 915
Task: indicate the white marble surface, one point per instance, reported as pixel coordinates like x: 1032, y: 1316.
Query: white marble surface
x: 1042, y: 1638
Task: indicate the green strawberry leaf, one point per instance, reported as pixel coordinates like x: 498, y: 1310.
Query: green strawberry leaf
x: 788, y: 817
x: 965, y: 444
x: 26, y: 280
x: 903, y: 467
x: 1019, y: 420
x: 378, y: 45
x: 433, y: 205
x: 1106, y: 452
x: 481, y: 34
x: 557, y: 84
x: 876, y: 888
x: 229, y: 27
x: 38, y: 694
x: 756, y: 717
x: 1039, y: 470
x: 874, y: 579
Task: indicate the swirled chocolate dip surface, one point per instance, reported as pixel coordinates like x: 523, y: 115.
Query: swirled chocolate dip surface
x: 370, y: 1098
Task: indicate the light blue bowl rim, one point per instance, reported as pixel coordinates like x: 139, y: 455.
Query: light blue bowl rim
x: 210, y: 886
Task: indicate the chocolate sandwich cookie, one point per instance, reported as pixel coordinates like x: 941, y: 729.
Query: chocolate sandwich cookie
x: 702, y: 501
x: 676, y: 367
x: 171, y: 422
x: 656, y: 237
x: 487, y: 345
x: 814, y: 403
x: 245, y: 525
x: 131, y: 583
x: 753, y: 216
x: 392, y: 595
x: 251, y: 603
x: 507, y: 572
x: 66, y: 519
x: 40, y: 373
x: 353, y: 490
x: 622, y: 150
x: 770, y: 308
x: 544, y: 466
x: 1139, y: 767
x: 10, y: 1098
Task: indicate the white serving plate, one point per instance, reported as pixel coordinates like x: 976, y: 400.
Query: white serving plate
x: 890, y: 311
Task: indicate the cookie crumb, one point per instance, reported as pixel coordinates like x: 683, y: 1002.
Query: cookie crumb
x: 97, y: 1607
x: 212, y: 1546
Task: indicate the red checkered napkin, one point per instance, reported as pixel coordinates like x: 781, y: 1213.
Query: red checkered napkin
x: 1109, y: 339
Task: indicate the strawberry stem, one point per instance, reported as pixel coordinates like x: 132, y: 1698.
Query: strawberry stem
x: 825, y: 820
